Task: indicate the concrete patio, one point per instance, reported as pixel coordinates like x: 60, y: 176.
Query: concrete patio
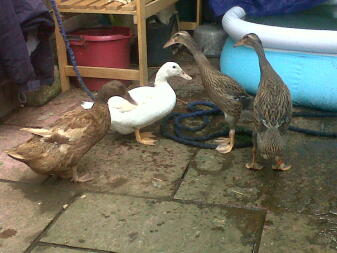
x: 169, y: 198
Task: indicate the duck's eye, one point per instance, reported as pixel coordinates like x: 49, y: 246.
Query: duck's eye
x: 174, y: 67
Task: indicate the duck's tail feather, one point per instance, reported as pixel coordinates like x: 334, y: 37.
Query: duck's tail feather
x: 15, y: 155
x: 46, y: 133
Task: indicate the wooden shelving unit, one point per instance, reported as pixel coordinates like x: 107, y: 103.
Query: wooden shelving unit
x: 140, y: 9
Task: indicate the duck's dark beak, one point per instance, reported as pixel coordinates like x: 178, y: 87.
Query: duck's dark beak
x: 169, y: 43
x: 239, y: 43
x: 129, y: 98
x: 185, y: 76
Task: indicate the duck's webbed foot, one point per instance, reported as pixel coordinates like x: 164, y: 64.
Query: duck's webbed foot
x: 280, y: 165
x: 224, y: 149
x: 145, y: 138
x: 222, y: 140
x: 226, y: 144
x: 82, y: 179
x: 254, y: 165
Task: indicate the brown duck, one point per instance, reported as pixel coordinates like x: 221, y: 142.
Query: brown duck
x: 224, y: 91
x: 56, y: 150
x: 272, y: 110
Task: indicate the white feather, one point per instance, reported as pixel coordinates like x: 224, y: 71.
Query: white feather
x: 87, y: 105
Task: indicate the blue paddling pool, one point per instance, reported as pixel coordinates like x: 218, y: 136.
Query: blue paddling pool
x: 308, y: 67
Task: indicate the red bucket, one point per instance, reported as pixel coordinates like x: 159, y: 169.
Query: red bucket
x: 101, y: 48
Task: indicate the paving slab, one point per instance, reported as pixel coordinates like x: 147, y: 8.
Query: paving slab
x: 43, y: 116
x: 10, y: 169
x: 309, y: 187
x: 49, y: 248
x: 284, y: 233
x: 129, y: 224
x: 121, y: 165
x: 292, y: 198
x: 25, y: 211
x: 55, y: 249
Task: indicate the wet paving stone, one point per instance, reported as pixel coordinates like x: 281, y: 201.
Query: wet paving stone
x: 25, y: 210
x: 309, y: 187
x: 121, y: 165
x: 292, y: 199
x: 130, y: 224
x: 55, y: 249
x: 296, y: 233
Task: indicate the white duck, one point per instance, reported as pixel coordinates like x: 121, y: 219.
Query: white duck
x: 153, y: 104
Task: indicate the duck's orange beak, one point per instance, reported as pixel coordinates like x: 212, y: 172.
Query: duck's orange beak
x: 170, y: 42
x: 129, y: 98
x: 185, y: 76
x: 239, y: 43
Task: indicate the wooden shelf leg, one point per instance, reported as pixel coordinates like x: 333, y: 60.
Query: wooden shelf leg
x: 198, y: 14
x: 62, y: 58
x: 142, y: 44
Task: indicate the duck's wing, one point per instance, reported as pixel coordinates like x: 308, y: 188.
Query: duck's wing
x: 143, y: 94
x: 232, y: 88
x: 78, y: 123
x: 274, y: 113
x: 120, y: 105
x: 227, y: 88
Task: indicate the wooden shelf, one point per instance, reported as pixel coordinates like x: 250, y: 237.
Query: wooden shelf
x: 112, y: 6
x: 140, y: 9
x: 100, y: 72
x: 188, y: 25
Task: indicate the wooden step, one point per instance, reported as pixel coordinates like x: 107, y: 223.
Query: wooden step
x: 100, y: 4
x: 129, y: 7
x: 85, y: 3
x: 114, y: 5
x: 68, y: 3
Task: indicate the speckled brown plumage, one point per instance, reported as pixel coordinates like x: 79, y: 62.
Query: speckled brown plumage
x: 224, y: 91
x: 58, y: 149
x: 272, y: 109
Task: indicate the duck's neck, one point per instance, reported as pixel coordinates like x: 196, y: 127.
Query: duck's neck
x: 99, y: 103
x: 198, y: 55
x: 263, y: 62
x: 161, y: 79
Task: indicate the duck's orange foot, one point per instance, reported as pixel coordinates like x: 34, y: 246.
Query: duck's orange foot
x: 83, y: 179
x: 224, y: 148
x: 281, y: 167
x: 146, y: 138
x: 254, y: 166
x: 222, y: 140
